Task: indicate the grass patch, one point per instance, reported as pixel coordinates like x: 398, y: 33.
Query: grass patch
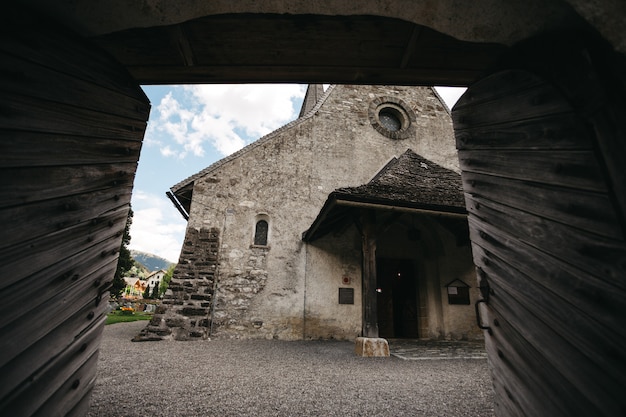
x: 123, y: 317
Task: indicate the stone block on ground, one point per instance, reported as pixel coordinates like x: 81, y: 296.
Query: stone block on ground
x: 371, y: 347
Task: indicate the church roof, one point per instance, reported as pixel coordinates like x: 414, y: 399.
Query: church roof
x: 411, y: 179
x: 409, y: 183
x: 183, y: 190
x: 182, y: 193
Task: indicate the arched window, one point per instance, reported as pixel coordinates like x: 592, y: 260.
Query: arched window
x: 260, y: 233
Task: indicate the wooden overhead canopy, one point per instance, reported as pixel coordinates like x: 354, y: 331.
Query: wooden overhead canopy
x: 303, y: 48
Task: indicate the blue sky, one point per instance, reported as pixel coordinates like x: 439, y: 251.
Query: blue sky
x: 190, y: 127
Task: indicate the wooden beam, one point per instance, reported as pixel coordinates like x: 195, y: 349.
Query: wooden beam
x: 410, y: 48
x: 184, y: 47
x: 367, y: 220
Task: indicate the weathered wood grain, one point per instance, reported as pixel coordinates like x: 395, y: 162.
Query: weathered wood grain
x: 574, y: 287
x: 572, y: 169
x: 577, y: 332
x: 63, y: 51
x: 25, y: 331
x: 24, y: 185
x: 81, y: 207
x: 75, y: 388
x: 90, y: 270
x: 21, y: 78
x: 560, y: 131
x: 66, y: 347
x: 549, y: 242
x: 594, y: 254
x: 16, y: 114
x: 592, y: 212
x: 16, y: 150
x: 71, y: 125
x: 64, y: 243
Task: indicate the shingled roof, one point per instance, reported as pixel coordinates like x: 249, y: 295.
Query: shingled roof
x: 407, y: 183
x: 411, y: 179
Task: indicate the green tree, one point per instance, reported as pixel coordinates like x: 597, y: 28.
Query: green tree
x: 146, y: 293
x: 155, y: 291
x: 166, y: 279
x: 125, y: 261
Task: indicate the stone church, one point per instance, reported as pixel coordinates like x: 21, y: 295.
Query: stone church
x: 348, y: 221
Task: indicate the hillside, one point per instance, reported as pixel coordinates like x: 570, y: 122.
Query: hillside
x: 150, y: 261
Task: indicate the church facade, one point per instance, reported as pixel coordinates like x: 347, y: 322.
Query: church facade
x: 274, y: 243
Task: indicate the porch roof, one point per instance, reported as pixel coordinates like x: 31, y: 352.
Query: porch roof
x: 409, y: 183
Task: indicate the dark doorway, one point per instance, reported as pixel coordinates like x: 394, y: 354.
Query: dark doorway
x: 397, y: 298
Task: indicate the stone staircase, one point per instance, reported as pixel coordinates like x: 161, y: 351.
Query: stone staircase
x: 186, y: 310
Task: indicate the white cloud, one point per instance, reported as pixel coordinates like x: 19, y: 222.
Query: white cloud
x: 226, y: 117
x: 157, y: 227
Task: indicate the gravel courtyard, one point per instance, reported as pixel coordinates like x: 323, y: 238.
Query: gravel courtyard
x: 276, y: 378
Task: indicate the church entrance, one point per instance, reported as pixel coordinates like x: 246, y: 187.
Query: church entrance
x: 397, y: 298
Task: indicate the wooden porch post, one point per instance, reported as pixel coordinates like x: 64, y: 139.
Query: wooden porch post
x: 368, y: 239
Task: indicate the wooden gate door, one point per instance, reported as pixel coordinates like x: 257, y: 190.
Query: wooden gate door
x: 545, y: 192
x: 71, y: 125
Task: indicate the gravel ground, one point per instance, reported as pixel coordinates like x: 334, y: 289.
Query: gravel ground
x: 276, y: 378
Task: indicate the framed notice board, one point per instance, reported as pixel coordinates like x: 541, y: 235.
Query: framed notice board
x: 458, y: 292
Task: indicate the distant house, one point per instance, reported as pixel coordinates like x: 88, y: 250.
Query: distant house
x: 155, y: 278
x: 135, y: 287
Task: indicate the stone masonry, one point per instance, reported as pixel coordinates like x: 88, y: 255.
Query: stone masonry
x: 186, y: 310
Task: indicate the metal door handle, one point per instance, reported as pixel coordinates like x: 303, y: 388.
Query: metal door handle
x: 478, y: 318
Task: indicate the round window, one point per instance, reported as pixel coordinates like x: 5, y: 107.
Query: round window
x: 390, y: 119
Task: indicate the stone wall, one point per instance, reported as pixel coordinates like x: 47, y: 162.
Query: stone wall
x: 185, y: 312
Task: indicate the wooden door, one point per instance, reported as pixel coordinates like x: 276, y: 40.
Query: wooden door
x: 397, y: 298
x: 545, y: 199
x: 71, y: 125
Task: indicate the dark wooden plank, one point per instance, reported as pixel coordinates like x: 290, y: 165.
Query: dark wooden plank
x: 608, y: 126
x: 592, y: 212
x: 76, y: 335
x: 573, y: 328
x: 16, y: 150
x: 560, y: 132
x: 21, y: 77
x: 573, y: 169
x: 20, y: 186
x: 82, y: 407
x: 77, y: 386
x: 577, y: 288
x: 16, y: 113
x: 495, y: 87
x: 20, y: 335
x: 347, y: 74
x: 530, y: 382
x: 603, y: 258
x: 585, y: 389
x: 59, y: 92
x: 513, y: 382
x: 521, y: 105
x: 61, y: 213
x: 49, y: 250
x: 46, y: 44
x: 89, y: 269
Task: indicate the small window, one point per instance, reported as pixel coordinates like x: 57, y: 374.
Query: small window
x: 260, y: 233
x: 390, y: 119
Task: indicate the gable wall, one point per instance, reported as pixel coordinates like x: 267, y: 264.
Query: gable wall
x: 261, y: 291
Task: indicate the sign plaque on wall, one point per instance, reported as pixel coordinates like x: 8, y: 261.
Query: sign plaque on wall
x: 346, y: 295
